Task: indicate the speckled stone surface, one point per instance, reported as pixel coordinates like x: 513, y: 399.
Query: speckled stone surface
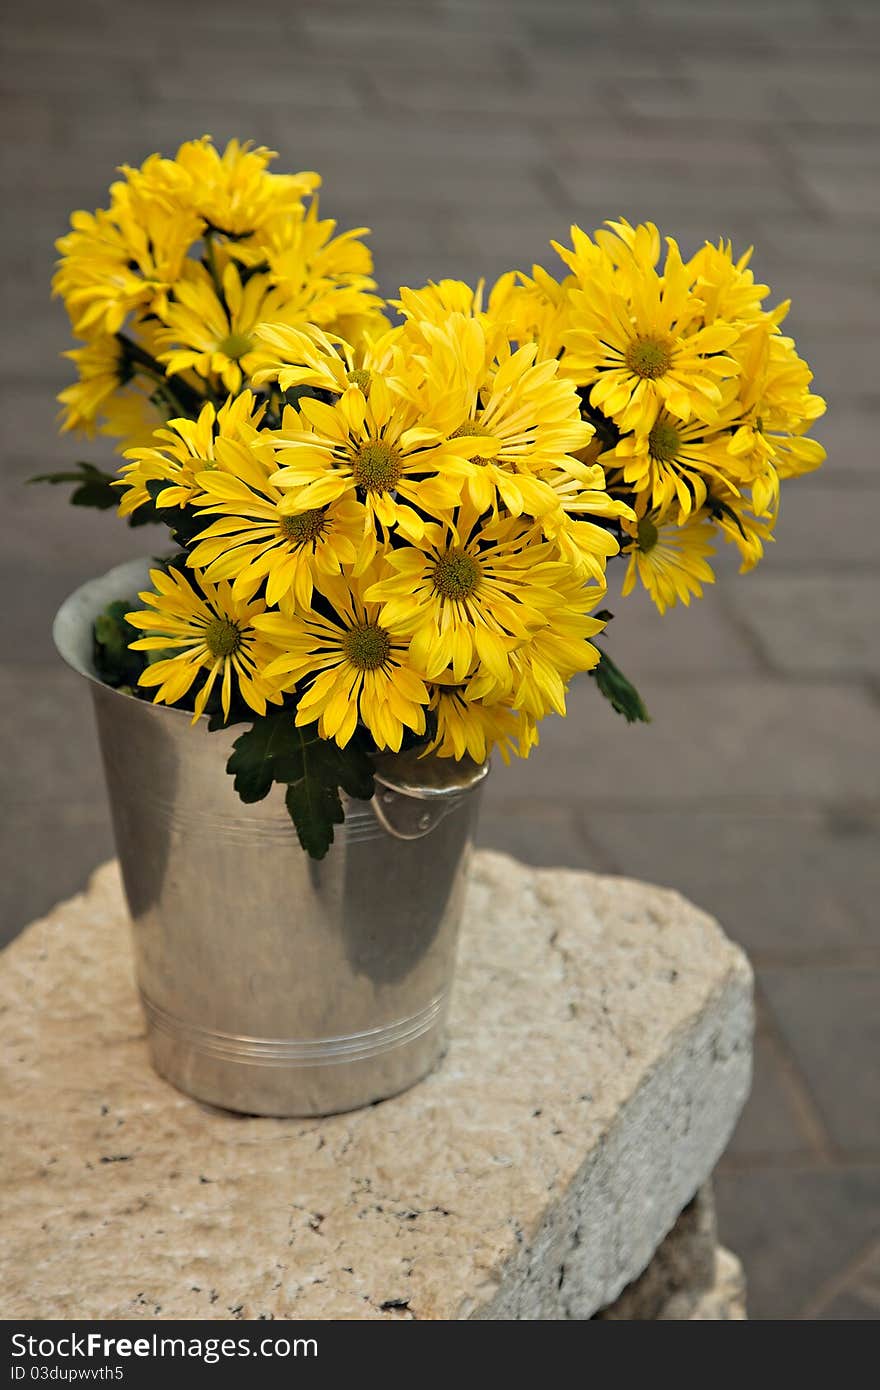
x: 600, y: 1053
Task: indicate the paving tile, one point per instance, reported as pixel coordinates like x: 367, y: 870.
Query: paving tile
x: 697, y: 640
x: 544, y: 835
x: 830, y: 1019
x: 718, y: 740
x: 53, y: 547
x: 795, y: 1228
x: 52, y: 760
x: 850, y: 1307
x: 824, y: 527
x: 648, y: 194
x: 813, y: 624
x: 794, y: 887
x: 64, y: 844
x: 770, y: 1126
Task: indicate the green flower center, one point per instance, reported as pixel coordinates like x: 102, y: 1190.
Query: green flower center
x: 367, y: 646
x: 235, y: 346
x: 471, y: 430
x: 664, y: 442
x: 648, y: 357
x: 377, y: 466
x: 305, y: 527
x: 358, y: 376
x: 647, y: 535
x: 222, y: 637
x: 456, y: 575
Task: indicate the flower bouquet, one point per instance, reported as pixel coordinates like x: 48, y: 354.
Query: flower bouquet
x: 390, y: 533
x: 390, y: 524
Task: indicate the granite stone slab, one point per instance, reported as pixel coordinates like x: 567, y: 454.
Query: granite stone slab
x: 600, y: 1053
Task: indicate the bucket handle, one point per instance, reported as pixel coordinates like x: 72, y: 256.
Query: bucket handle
x: 409, y: 811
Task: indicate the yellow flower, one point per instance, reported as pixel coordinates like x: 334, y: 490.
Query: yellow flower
x: 109, y: 397
x: 210, y: 631
x: 375, y: 446
x: 324, y: 279
x: 470, y: 728
x: 211, y: 329
x: 354, y: 666
x: 542, y: 666
x: 637, y: 339
x: 515, y: 419
x: 671, y: 468
x: 769, y: 420
x: 234, y: 191
x: 670, y: 561
x: 257, y: 539
x: 124, y: 258
x: 310, y: 357
x: 467, y: 596
x: 184, y: 449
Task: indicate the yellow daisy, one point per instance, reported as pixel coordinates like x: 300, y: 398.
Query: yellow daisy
x: 467, y: 595
x: 209, y: 325
x: 373, y: 446
x: 257, y: 537
x: 210, y: 631
x: 543, y: 665
x: 637, y: 340
x: 310, y: 357
x: 183, y: 449
x: 124, y: 258
x: 234, y: 191
x: 469, y: 728
x: 353, y: 666
x: 324, y: 279
x: 670, y: 469
x: 670, y: 561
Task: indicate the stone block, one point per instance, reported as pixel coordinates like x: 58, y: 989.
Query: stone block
x: 600, y: 1053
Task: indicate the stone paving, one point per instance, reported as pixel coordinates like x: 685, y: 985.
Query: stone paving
x: 467, y: 132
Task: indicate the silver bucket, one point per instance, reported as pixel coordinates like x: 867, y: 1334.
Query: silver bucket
x: 271, y: 983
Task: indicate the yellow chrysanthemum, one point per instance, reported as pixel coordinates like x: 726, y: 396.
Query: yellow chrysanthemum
x: 468, y: 595
x: 256, y: 538
x: 210, y: 328
x: 185, y: 448
x: 210, y: 631
x: 670, y: 561
x: 514, y: 420
x: 354, y: 666
x: 234, y: 192
x: 637, y: 338
x: 109, y: 397
x: 770, y: 417
x: 310, y: 357
x: 670, y: 469
x: 726, y: 288
x: 469, y: 728
x: 542, y: 666
x: 325, y: 279
x: 439, y: 301
x: 125, y: 258
x: 374, y: 446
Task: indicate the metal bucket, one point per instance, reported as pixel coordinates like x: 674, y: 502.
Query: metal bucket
x: 273, y: 984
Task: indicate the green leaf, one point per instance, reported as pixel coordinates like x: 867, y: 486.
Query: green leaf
x: 94, y: 487
x: 314, y: 770
x: 314, y: 807
x: 115, y: 663
x: 621, y: 693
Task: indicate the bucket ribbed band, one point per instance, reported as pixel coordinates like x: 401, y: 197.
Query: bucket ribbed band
x: 296, y: 1052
